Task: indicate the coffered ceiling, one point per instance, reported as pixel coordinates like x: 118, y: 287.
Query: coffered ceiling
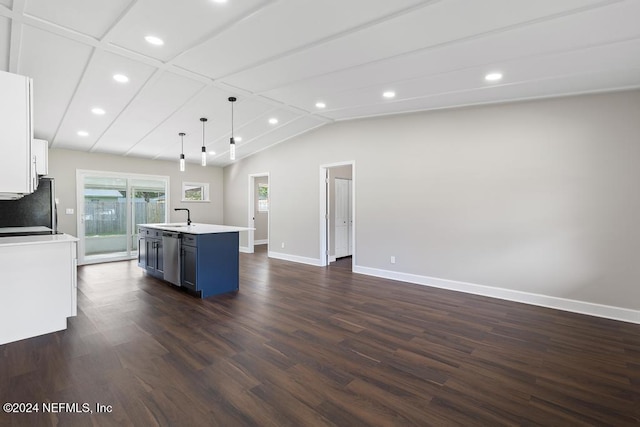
x: 281, y: 57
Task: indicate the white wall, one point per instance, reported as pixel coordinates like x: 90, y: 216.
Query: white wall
x: 64, y: 163
x: 537, y: 197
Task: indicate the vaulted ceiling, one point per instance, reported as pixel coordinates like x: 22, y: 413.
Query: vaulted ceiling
x: 282, y: 57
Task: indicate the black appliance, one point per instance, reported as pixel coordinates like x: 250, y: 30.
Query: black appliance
x: 32, y: 214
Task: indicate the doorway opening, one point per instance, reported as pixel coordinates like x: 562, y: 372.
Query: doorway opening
x: 337, y: 214
x: 258, y: 212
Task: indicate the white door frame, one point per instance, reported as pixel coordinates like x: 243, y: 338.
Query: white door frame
x: 324, y: 211
x: 251, y: 210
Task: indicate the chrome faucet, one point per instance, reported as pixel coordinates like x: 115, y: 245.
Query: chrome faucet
x: 188, y: 214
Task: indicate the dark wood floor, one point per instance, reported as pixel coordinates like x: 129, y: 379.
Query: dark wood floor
x: 304, y: 346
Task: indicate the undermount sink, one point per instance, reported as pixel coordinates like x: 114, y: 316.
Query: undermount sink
x: 174, y: 225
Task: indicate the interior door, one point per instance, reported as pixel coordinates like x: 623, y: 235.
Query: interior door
x: 343, y: 218
x: 258, y: 213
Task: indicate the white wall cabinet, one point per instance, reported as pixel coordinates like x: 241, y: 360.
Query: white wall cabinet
x: 17, y: 164
x: 40, y: 150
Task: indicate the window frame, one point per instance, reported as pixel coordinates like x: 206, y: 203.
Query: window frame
x: 260, y: 208
x: 189, y: 185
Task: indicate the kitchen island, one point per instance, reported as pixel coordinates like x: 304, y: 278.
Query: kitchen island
x: 202, y: 258
x: 38, y: 286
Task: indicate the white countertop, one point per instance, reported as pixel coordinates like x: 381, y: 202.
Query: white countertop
x: 36, y: 240
x: 196, y: 228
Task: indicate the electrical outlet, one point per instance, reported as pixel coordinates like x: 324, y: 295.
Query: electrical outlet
x: 282, y: 245
x: 69, y: 211
x: 393, y: 259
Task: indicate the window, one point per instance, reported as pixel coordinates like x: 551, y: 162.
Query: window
x: 263, y: 197
x: 195, y: 192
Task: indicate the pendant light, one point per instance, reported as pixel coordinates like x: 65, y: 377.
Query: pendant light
x: 182, y: 134
x: 204, y: 149
x: 232, y: 142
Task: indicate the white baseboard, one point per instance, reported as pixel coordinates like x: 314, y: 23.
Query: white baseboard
x: 244, y: 250
x: 260, y: 242
x: 582, y: 307
x: 295, y: 258
x: 332, y: 258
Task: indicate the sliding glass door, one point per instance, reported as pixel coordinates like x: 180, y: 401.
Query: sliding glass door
x: 110, y: 207
x: 149, y: 205
x: 105, y: 216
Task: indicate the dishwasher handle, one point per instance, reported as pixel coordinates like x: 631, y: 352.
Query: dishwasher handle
x: 172, y: 235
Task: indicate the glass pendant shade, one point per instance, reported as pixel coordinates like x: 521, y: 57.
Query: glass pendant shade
x: 182, y: 134
x: 204, y: 149
x: 232, y: 142
x: 232, y: 149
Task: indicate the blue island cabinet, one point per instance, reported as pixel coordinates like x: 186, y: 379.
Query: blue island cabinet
x: 210, y: 263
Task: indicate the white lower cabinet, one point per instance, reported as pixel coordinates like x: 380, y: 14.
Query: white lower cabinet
x: 38, y: 287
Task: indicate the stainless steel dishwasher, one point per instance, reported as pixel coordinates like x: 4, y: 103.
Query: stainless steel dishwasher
x: 171, y: 253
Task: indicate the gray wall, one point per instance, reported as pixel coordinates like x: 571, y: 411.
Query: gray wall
x: 538, y: 196
x: 64, y: 163
x: 261, y: 218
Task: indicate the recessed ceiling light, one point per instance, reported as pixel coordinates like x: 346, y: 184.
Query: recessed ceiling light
x: 220, y: 1
x: 154, y: 40
x: 120, y: 78
x: 212, y: 153
x: 98, y: 111
x: 238, y: 139
x: 273, y: 121
x: 321, y: 105
x: 389, y: 94
x: 83, y: 133
x: 493, y: 77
